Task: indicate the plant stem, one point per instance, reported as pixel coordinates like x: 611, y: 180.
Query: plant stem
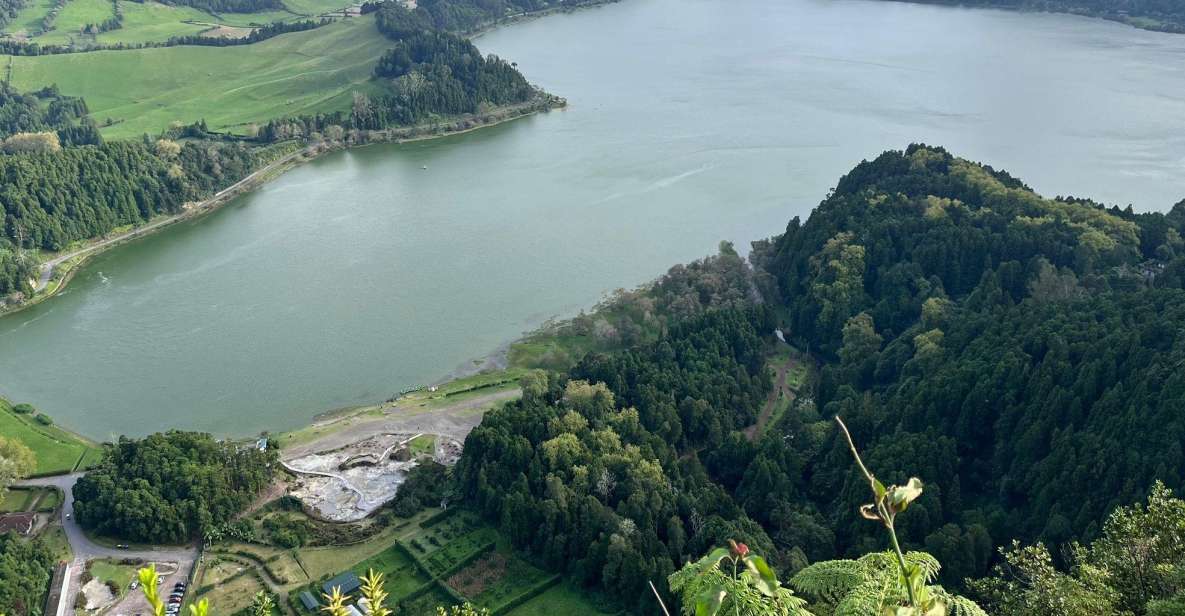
x: 852, y: 446
x: 736, y: 607
x: 913, y: 601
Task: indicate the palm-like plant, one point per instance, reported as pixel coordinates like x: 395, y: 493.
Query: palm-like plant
x: 263, y: 604
x: 732, y: 581
x: 375, y: 593
x: 148, y: 586
x: 335, y: 602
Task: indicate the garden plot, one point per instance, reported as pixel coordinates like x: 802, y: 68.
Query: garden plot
x: 350, y: 483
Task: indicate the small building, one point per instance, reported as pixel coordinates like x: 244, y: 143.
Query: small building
x: 309, y: 601
x: 347, y: 582
x: 19, y: 523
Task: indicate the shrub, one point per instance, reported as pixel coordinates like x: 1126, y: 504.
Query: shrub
x: 43, y: 419
x: 24, y: 408
x: 114, y: 587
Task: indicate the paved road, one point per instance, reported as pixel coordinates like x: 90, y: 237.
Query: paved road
x: 84, y: 549
x: 82, y: 546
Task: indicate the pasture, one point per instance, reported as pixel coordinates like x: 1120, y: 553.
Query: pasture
x: 149, y: 21
x: 137, y: 91
x: 56, y: 450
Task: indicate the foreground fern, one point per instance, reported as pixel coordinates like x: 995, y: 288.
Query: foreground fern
x: 733, y: 581
x: 871, y: 586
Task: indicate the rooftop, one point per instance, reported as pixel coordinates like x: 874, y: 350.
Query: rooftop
x: 347, y: 582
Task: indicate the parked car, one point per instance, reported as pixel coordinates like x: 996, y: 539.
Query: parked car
x: 121, y: 546
x: 134, y: 585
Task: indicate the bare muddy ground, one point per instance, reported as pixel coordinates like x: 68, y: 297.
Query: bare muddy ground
x: 453, y: 420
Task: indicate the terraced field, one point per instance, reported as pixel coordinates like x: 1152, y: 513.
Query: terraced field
x: 144, y: 90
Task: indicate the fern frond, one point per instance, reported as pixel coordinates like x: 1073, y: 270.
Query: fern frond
x: 957, y: 605
x: 864, y: 600
x: 829, y: 580
x: 928, y: 564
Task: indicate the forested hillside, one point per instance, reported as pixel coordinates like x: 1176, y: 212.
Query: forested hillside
x: 1164, y: 15
x: 467, y: 15
x: 430, y: 72
x: 995, y: 343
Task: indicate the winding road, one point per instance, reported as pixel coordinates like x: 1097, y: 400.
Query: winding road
x: 85, y: 549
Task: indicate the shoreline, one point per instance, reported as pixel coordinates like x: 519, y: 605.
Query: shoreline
x: 76, y: 259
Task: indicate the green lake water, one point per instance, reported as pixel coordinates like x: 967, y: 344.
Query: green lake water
x: 690, y: 121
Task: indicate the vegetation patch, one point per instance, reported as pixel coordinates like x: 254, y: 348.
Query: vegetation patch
x: 56, y: 450
x: 116, y: 576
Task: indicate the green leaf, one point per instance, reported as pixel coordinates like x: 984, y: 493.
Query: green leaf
x: 708, y: 603
x: 901, y: 496
x: 715, y: 556
x: 878, y: 489
x: 763, y: 575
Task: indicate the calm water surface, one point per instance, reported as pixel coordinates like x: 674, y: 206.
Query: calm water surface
x: 691, y: 121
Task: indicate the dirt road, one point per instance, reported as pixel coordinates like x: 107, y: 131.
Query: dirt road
x: 452, y: 420
x: 780, y: 390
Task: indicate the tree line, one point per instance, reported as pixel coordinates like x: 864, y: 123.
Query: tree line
x: 1163, y: 15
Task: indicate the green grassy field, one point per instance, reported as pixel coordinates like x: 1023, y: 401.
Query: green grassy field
x: 76, y: 15
x: 16, y: 500
x: 109, y: 571
x: 28, y: 20
x: 145, y: 22
x: 56, y: 450
x: 55, y: 538
x: 144, y: 90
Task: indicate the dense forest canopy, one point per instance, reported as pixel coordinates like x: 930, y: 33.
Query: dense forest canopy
x: 62, y: 183
x: 25, y: 568
x: 463, y: 16
x: 169, y: 488
x: 996, y: 343
x: 1166, y: 15
x: 46, y: 110
x: 429, y: 73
